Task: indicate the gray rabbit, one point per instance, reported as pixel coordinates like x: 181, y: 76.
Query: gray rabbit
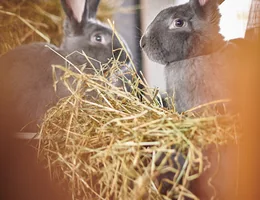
x: 26, y: 78
x: 198, y: 65
x: 198, y: 60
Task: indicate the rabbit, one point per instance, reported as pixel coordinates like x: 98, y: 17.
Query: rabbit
x: 198, y: 70
x: 26, y: 78
x: 197, y: 59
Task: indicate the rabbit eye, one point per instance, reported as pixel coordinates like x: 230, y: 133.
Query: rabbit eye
x: 98, y: 38
x: 178, y: 23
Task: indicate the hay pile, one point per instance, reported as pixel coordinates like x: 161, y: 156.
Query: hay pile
x: 26, y: 21
x: 124, y: 145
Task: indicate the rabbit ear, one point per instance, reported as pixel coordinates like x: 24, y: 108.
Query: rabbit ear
x: 203, y: 2
x: 92, y: 6
x: 74, y: 9
x: 78, y: 13
x: 204, y: 8
x: 80, y: 9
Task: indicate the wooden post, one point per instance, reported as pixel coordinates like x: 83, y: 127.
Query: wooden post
x: 249, y: 169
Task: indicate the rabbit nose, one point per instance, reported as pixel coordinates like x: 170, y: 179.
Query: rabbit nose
x: 142, y: 42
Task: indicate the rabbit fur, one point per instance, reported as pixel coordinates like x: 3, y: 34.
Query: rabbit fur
x: 197, y: 59
x: 26, y: 78
x: 198, y: 69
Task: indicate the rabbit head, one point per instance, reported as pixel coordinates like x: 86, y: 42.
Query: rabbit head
x: 183, y: 31
x: 83, y: 32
